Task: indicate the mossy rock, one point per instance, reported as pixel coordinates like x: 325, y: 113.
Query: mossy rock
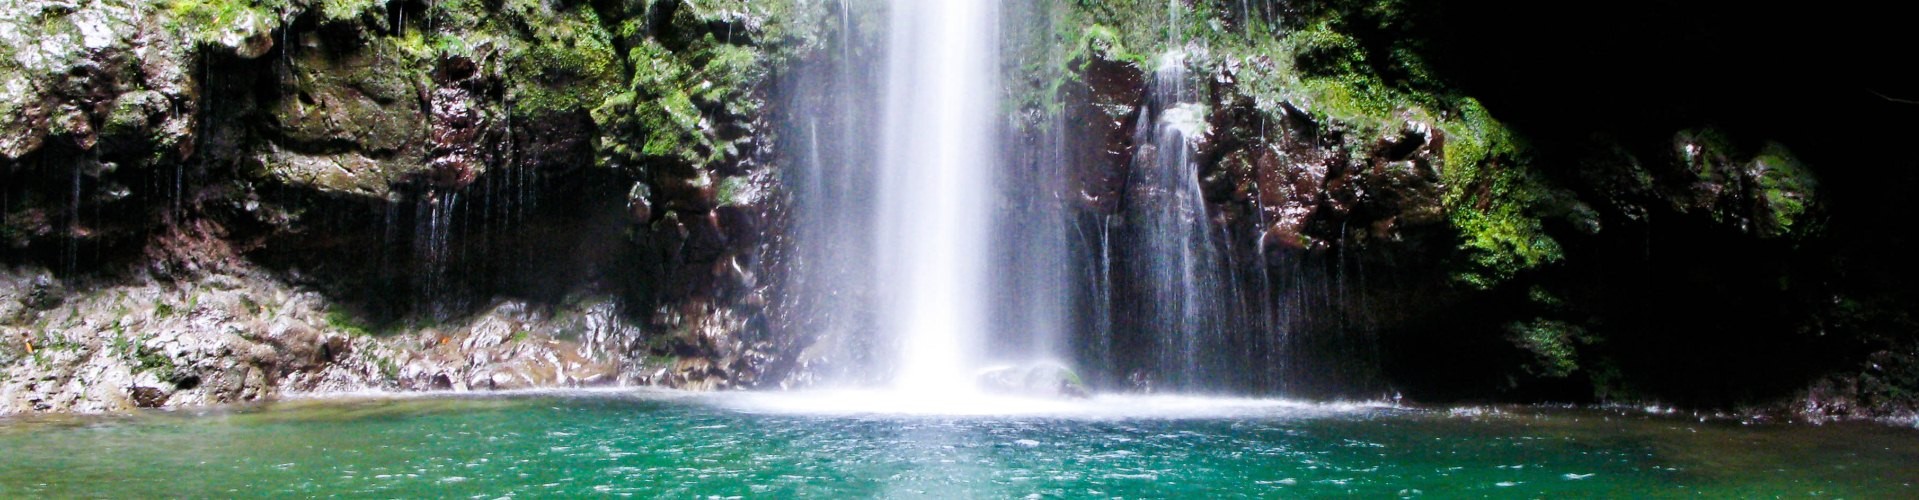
x: 244, y: 27
x: 1770, y: 192
x: 1496, y: 202
x: 1787, y: 191
x: 567, y: 64
x: 1553, y: 345
x: 348, y: 120
x: 697, y: 84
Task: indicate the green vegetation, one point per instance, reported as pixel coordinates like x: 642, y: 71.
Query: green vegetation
x: 227, y: 22
x: 148, y: 359
x: 1313, y: 60
x: 346, y: 323
x: 162, y: 309
x: 565, y: 62
x: 1787, y: 186
x: 387, y: 367
x: 1494, y: 200
x: 129, y: 113
x: 120, y: 344
x: 1552, y: 344
x: 1492, y: 195
x: 689, y: 81
x: 338, y: 10
x: 733, y: 190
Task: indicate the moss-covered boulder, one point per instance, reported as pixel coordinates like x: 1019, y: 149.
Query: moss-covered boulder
x: 347, y: 115
x: 1767, y: 192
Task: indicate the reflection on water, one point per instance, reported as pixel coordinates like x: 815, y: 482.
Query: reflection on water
x: 679, y: 444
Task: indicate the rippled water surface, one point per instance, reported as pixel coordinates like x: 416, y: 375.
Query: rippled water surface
x: 679, y: 445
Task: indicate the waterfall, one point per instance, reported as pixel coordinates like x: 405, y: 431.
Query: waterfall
x: 1175, y: 266
x: 936, y: 175
x: 928, y: 244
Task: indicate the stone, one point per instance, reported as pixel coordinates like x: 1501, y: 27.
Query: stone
x: 1103, y: 108
x: 1047, y: 379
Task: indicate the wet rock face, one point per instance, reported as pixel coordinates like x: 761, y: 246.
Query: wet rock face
x: 1766, y: 192
x: 1303, y: 184
x: 1312, y: 189
x: 465, y: 138
x: 236, y: 336
x: 150, y: 346
x: 1762, y: 190
x: 519, y: 346
x: 95, y: 98
x: 346, y: 115
x: 1103, y: 109
x: 387, y: 162
x: 88, y: 73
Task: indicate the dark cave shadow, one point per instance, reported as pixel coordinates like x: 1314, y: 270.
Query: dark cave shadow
x: 432, y: 255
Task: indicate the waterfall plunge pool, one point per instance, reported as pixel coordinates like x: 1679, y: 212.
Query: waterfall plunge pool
x: 673, y: 444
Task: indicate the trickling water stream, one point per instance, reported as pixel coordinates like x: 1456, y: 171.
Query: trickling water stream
x: 1170, y: 238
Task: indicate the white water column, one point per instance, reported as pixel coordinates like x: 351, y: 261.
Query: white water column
x: 936, y: 176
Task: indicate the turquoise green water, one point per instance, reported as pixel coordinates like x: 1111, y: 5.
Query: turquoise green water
x: 652, y: 445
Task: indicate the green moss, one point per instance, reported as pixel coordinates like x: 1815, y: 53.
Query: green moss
x: 339, y: 10
x: 413, y: 47
x: 129, y: 114
x: 695, y: 86
x: 569, y: 64
x: 1099, y: 41
x: 1493, y: 199
x: 733, y: 190
x: 150, y: 360
x: 1786, y: 186
x: 162, y: 310
x: 343, y: 322
x: 671, y: 125
x: 726, y: 75
x: 388, y: 369
x: 1323, y: 50
x: 1500, y: 244
x: 226, y: 22
x: 1552, y: 344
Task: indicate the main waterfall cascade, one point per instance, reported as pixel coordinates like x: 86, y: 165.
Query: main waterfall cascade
x: 935, y: 205
x: 934, y: 238
x: 894, y: 195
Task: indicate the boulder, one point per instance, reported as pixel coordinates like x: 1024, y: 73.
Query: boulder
x: 1047, y: 379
